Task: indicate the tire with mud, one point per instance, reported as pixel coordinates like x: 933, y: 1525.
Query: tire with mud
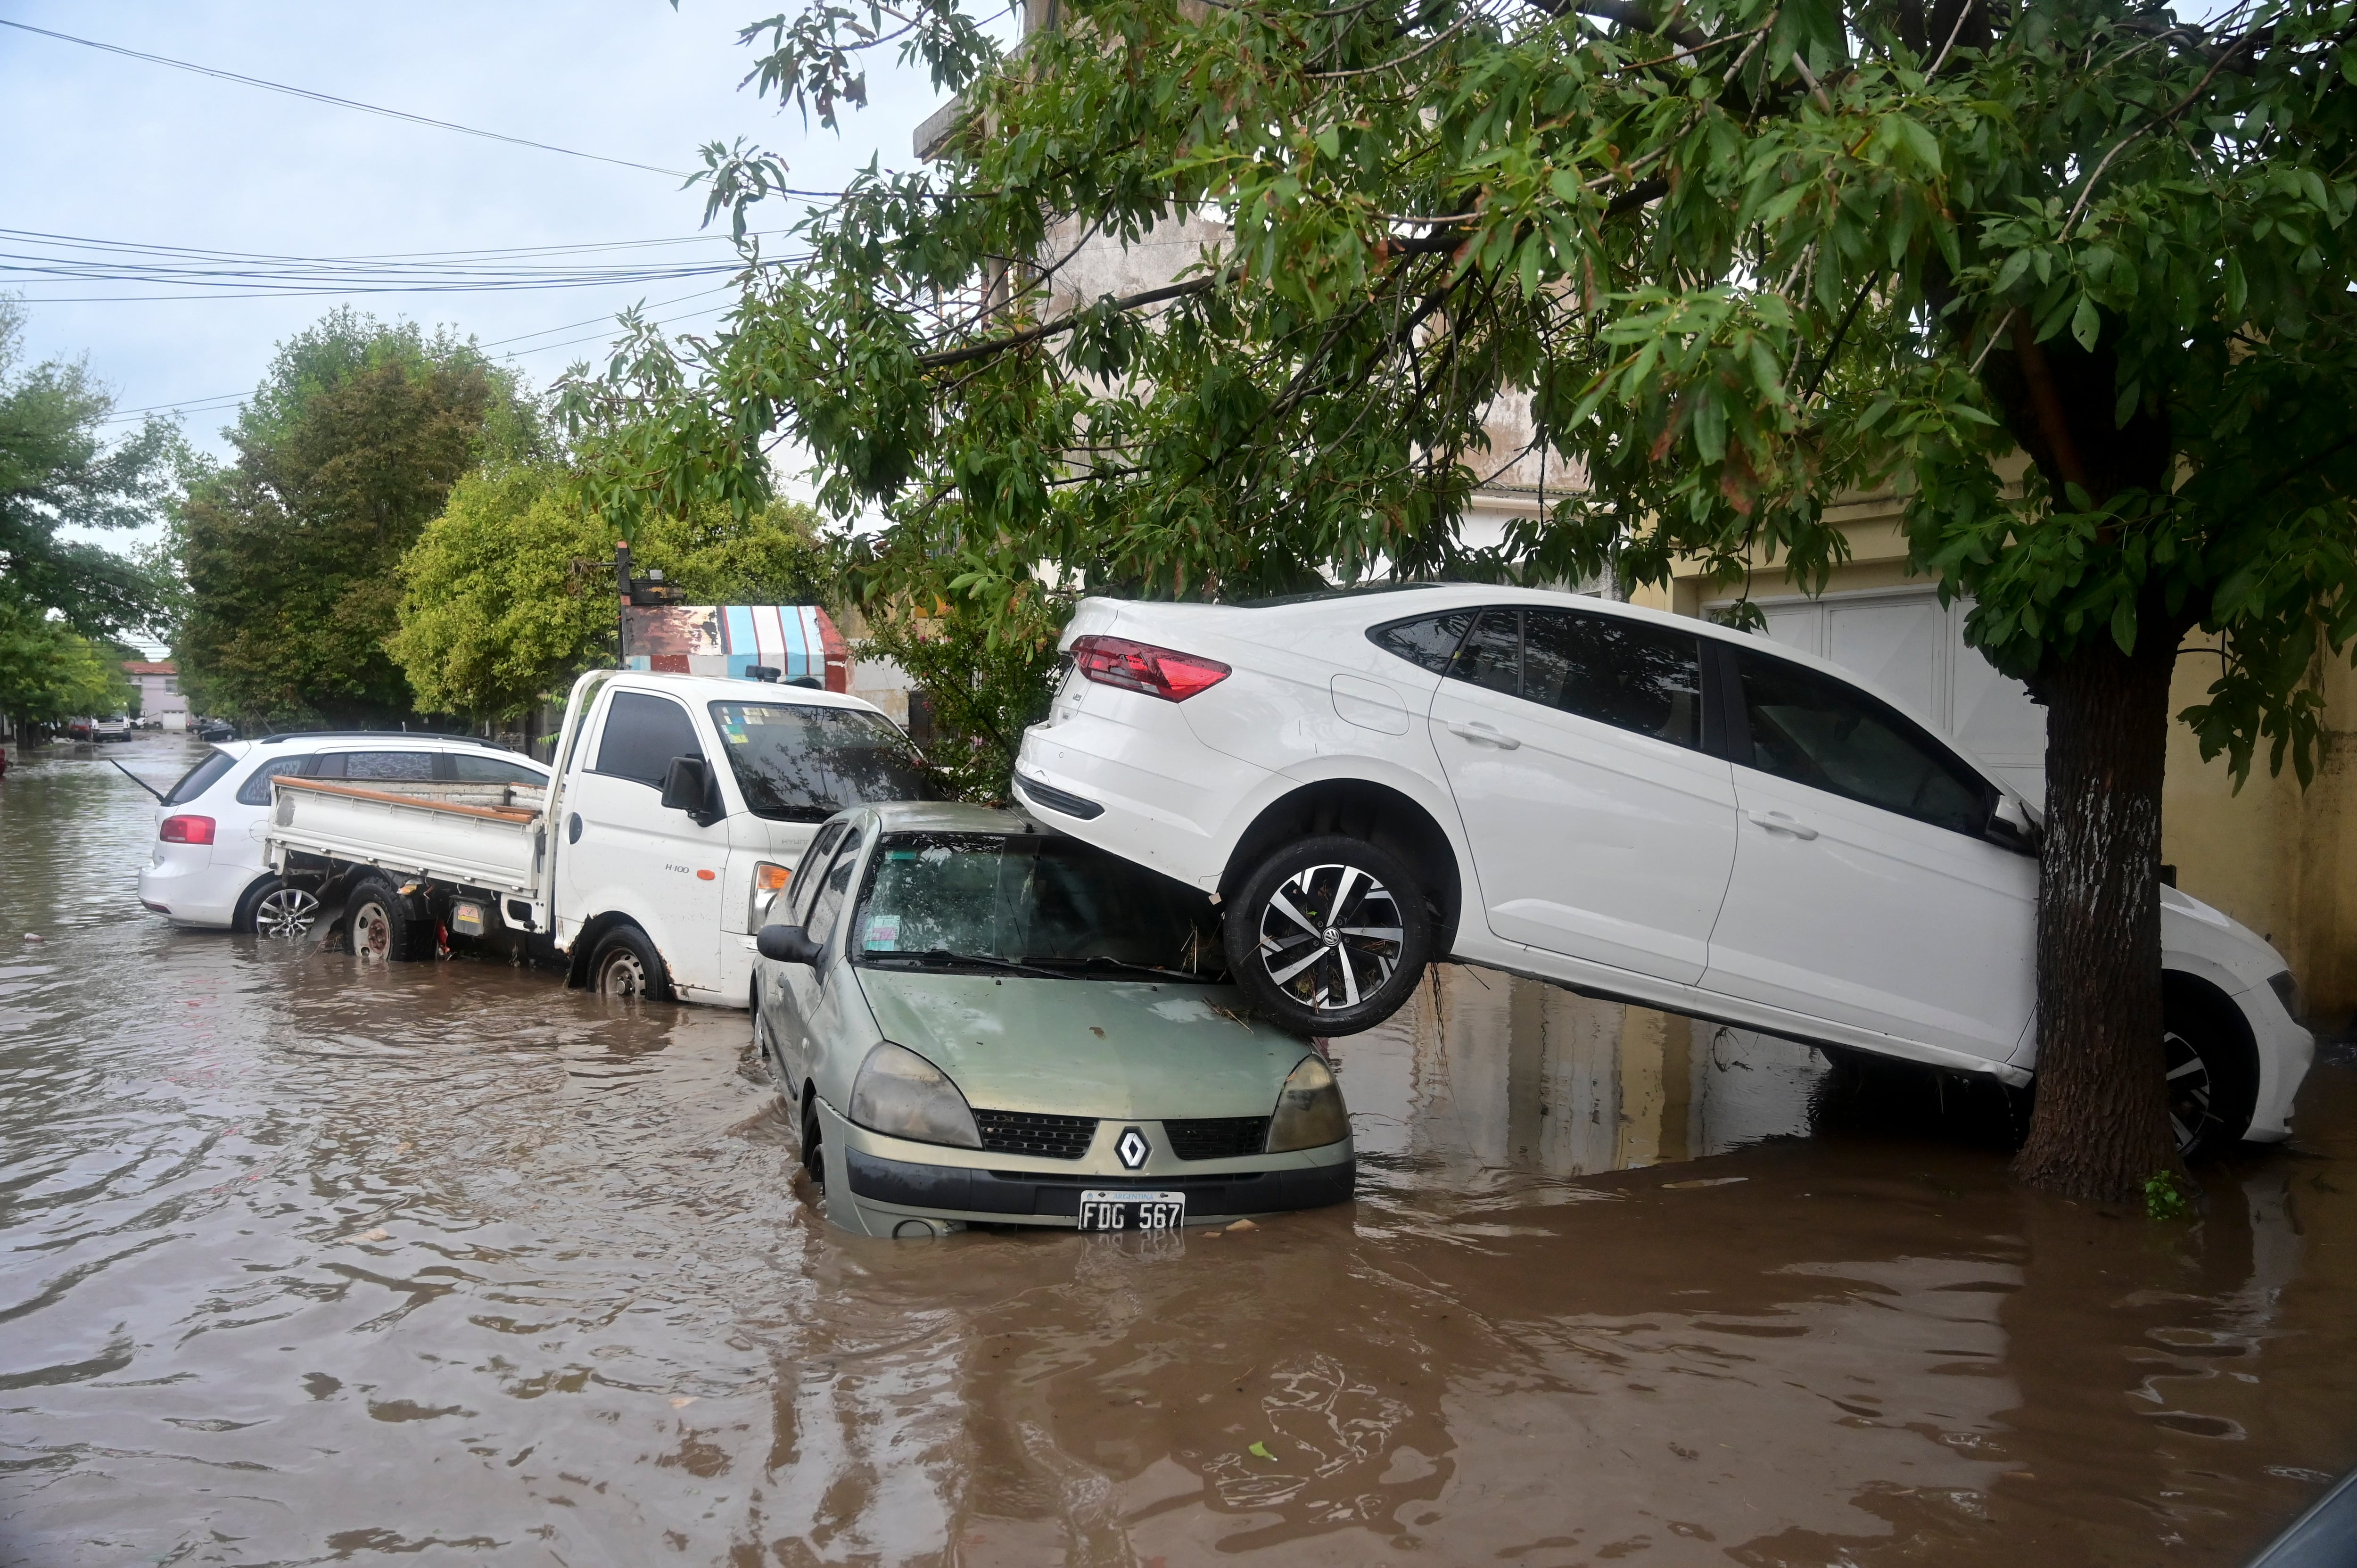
x: 274, y: 906
x: 385, y: 926
x: 626, y: 966
x: 1328, y: 935
x: 2214, y: 1078
x: 813, y: 1151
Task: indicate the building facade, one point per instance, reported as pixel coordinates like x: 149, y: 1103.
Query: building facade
x: 159, y: 685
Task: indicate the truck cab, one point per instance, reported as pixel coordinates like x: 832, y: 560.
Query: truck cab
x: 680, y: 807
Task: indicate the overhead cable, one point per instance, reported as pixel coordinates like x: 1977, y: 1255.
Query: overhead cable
x: 338, y: 102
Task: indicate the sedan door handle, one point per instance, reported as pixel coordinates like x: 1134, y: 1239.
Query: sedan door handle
x: 1779, y: 823
x: 1486, y: 734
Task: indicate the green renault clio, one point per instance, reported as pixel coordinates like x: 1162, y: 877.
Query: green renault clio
x: 978, y: 1020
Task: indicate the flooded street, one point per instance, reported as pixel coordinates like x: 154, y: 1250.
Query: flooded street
x: 444, y: 1263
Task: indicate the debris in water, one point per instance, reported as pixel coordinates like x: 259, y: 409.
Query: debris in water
x: 1243, y: 1225
x: 1702, y: 1181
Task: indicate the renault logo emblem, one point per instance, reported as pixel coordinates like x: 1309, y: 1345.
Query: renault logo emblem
x: 1132, y: 1148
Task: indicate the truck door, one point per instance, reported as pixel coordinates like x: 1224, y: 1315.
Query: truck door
x: 625, y: 854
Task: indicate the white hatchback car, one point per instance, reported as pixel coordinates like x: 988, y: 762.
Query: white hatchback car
x: 1635, y: 805
x: 207, y: 868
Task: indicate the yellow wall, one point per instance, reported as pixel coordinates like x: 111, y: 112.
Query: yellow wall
x: 2281, y: 860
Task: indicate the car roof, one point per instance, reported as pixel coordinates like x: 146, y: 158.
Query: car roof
x: 949, y: 817
x: 372, y: 740
x: 734, y: 689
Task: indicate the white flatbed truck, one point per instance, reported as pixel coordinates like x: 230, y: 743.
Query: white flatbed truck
x: 677, y: 810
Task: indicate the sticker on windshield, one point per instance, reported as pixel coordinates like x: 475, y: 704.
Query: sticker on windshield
x: 883, y: 932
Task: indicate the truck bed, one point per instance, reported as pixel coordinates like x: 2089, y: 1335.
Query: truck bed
x: 481, y: 835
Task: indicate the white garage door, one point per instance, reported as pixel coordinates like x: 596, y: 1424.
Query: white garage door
x: 1910, y: 646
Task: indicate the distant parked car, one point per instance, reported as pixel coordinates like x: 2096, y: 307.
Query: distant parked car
x: 978, y: 1020
x: 207, y: 868
x: 215, y: 730
x: 1641, y: 805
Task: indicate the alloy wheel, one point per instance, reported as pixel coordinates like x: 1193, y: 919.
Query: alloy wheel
x: 371, y: 933
x: 2191, y: 1092
x: 1331, y: 936
x: 286, y: 912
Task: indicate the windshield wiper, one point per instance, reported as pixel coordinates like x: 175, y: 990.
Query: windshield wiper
x: 938, y: 956
x: 1099, y: 961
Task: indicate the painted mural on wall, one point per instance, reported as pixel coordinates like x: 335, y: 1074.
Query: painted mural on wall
x: 798, y: 640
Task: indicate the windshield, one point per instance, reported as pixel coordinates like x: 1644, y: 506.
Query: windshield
x: 804, y: 763
x: 1047, y: 904
x: 200, y: 779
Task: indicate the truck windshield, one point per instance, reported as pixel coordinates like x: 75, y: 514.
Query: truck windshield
x: 803, y: 763
x: 1030, y: 903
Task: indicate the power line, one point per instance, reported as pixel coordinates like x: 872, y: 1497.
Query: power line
x: 220, y: 400
x: 338, y: 102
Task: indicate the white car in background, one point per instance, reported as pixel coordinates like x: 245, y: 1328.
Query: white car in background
x: 208, y: 868
x: 1638, y: 805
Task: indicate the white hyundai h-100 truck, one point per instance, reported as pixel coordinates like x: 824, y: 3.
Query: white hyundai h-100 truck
x: 677, y: 810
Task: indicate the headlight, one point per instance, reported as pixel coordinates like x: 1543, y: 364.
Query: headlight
x: 901, y: 1094
x: 1309, y: 1114
x: 769, y: 879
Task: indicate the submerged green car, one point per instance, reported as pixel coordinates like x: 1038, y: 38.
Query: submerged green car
x: 981, y: 1021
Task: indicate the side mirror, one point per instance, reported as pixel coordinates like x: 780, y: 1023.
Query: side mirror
x: 787, y: 944
x: 687, y: 787
x: 2011, y: 825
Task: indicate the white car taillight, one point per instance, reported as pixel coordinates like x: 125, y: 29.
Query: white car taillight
x: 1161, y: 673
x: 186, y: 829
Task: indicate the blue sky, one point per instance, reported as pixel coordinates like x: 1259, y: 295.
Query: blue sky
x: 98, y: 146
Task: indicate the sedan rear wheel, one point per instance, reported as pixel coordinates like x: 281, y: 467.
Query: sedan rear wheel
x: 1328, y: 935
x: 276, y: 908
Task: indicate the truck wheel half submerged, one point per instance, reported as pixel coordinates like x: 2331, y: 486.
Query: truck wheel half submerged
x: 626, y: 964
x: 385, y: 926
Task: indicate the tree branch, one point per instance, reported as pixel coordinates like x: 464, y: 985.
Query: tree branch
x: 1061, y: 324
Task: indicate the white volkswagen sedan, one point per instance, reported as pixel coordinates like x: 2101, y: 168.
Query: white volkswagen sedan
x: 1638, y: 805
x: 207, y: 868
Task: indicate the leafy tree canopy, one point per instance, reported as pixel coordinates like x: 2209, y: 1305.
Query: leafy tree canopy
x: 348, y: 449
x: 49, y: 673
x: 511, y: 591
x: 1742, y: 256
x: 59, y: 473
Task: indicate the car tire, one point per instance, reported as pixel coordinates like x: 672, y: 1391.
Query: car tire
x: 274, y: 906
x: 813, y: 1144
x: 2212, y: 1079
x: 625, y: 966
x: 1316, y: 968
x: 385, y: 926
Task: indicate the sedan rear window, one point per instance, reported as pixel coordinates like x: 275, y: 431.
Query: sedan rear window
x: 801, y: 763
x: 1029, y: 901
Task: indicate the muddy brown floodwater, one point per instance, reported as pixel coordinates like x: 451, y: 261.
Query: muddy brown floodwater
x: 446, y: 1264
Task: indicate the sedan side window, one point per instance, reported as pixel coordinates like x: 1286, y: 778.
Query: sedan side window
x: 642, y: 734
x: 469, y: 769
x: 1427, y: 640
x: 831, y: 892
x: 1816, y: 731
x: 811, y: 872
x: 1492, y: 655
x: 1624, y: 673
x: 381, y: 765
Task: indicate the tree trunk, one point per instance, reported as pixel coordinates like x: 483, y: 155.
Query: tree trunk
x: 2101, y: 1126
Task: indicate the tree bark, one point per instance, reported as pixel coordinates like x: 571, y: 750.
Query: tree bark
x: 2100, y: 1125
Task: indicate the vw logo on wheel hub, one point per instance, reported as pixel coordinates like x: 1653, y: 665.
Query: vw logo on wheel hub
x: 1131, y: 1148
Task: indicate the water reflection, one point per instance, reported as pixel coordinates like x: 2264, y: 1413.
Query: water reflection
x: 1486, y: 1071
x: 300, y: 1263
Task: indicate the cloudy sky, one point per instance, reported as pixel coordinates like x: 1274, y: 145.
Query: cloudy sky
x: 98, y: 147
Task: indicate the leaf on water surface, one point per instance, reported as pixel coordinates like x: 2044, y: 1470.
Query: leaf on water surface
x: 684, y: 1400
x: 1260, y: 1451
x: 377, y: 1234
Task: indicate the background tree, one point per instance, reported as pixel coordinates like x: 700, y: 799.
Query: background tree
x: 1743, y: 255
x: 58, y: 475
x: 347, y: 450
x: 510, y: 592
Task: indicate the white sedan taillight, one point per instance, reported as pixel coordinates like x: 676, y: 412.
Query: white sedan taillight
x: 1141, y: 667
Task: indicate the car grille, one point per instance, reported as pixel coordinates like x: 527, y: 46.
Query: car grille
x: 1217, y: 1137
x: 1023, y: 1133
